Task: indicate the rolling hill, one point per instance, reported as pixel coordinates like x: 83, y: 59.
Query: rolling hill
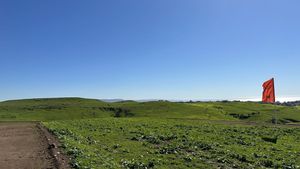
x: 79, y: 108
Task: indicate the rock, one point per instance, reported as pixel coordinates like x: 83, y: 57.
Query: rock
x: 51, y: 146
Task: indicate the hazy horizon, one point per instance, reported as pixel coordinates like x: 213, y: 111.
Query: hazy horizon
x: 278, y: 99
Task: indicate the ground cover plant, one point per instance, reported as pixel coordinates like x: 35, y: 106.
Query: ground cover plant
x: 78, y: 108
x: 52, y: 109
x: 176, y: 143
x: 163, y: 134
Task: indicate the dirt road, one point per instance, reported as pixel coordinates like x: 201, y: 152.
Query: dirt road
x: 24, y: 146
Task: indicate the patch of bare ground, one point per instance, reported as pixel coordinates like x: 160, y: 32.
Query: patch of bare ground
x: 26, y: 145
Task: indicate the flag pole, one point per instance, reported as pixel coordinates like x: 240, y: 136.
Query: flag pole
x: 275, y: 114
x: 276, y: 118
x: 274, y: 103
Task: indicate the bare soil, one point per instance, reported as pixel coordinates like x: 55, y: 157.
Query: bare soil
x: 25, y: 145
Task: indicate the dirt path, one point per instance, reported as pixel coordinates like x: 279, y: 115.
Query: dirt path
x: 25, y: 146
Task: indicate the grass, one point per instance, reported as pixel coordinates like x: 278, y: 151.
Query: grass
x: 78, y: 108
x: 52, y: 109
x: 164, y: 134
x: 164, y: 109
x: 136, y: 143
x: 251, y: 111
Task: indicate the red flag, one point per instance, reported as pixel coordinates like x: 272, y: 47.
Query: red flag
x: 269, y: 91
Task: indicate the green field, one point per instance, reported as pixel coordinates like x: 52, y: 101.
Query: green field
x: 162, y: 134
x: 78, y: 108
x: 164, y: 143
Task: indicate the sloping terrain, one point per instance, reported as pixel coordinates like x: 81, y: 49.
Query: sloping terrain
x: 258, y: 112
x: 51, y: 109
x: 157, y: 134
x: 78, y: 108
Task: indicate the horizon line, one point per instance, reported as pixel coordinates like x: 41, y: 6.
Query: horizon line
x: 253, y: 99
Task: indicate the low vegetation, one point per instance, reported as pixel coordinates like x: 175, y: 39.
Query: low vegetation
x: 162, y: 134
x: 77, y: 108
x: 136, y: 143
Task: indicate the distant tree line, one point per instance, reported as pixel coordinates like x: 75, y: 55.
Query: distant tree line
x: 295, y: 103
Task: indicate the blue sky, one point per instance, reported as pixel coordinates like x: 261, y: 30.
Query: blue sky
x: 142, y: 49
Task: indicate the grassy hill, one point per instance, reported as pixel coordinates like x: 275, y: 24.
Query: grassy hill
x: 165, y: 109
x: 251, y: 111
x: 162, y: 134
x: 79, y: 108
x: 51, y: 109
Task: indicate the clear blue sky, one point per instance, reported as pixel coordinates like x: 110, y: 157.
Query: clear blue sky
x: 148, y: 49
